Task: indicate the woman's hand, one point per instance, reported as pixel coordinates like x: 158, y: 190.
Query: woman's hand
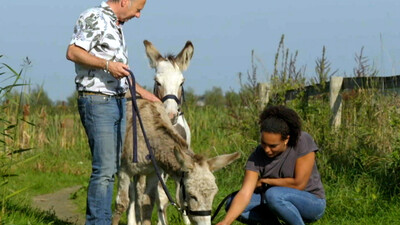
x: 261, y: 182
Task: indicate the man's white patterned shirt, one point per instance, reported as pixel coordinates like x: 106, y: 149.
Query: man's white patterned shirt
x: 97, y: 32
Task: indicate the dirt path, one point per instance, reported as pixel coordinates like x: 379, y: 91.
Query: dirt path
x: 61, y: 204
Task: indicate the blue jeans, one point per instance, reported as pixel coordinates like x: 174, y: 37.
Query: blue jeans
x: 288, y: 204
x: 103, y: 118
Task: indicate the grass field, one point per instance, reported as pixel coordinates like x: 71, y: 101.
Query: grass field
x: 351, y: 161
x: 44, y: 149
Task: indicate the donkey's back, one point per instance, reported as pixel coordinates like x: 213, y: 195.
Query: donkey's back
x: 162, y: 136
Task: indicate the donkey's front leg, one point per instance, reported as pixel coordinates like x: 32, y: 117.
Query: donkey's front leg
x: 162, y: 202
x: 122, y: 199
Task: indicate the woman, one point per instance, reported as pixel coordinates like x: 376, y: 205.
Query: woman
x: 281, y: 179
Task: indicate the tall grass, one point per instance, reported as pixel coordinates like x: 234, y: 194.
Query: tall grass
x: 35, y: 150
x: 359, y: 163
x: 10, y: 144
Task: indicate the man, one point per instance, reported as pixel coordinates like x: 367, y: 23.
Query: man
x: 101, y: 61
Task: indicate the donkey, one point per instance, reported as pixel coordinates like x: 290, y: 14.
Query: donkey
x: 168, y: 82
x: 176, y: 159
x: 168, y: 86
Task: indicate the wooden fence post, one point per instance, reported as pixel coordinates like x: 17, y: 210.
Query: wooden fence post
x: 335, y: 101
x: 263, y: 93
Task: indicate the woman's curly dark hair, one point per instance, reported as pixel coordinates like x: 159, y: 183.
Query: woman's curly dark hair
x: 281, y: 120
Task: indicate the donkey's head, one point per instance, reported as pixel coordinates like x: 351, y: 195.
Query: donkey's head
x: 198, y: 187
x: 169, y: 79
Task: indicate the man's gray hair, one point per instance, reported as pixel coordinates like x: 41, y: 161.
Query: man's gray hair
x: 120, y: 0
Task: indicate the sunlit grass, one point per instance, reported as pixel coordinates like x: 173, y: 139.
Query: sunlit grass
x: 44, y: 149
x: 352, y: 195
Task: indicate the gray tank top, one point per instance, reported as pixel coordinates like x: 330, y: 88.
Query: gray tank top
x: 283, y: 165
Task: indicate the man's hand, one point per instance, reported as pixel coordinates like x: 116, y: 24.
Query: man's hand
x: 118, y: 69
x: 81, y: 56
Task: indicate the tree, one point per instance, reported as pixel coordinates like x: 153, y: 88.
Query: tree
x: 232, y: 98
x: 38, y: 97
x: 72, y: 100
x: 214, y: 97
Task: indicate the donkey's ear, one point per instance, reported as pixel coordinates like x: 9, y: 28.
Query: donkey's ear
x: 152, y: 53
x: 184, y: 57
x: 185, y: 160
x: 221, y: 161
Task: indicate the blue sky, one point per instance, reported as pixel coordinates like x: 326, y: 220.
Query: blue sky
x: 223, y: 34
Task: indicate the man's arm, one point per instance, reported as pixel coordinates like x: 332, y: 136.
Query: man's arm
x: 79, y: 55
x: 119, y: 70
x: 145, y: 94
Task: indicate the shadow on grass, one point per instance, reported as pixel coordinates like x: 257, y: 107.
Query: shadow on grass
x: 18, y: 214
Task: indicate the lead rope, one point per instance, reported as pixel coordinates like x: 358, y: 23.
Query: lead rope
x: 221, y: 204
x: 135, y: 112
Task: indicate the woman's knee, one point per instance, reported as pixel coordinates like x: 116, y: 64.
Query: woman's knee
x: 275, y: 197
x: 273, y: 194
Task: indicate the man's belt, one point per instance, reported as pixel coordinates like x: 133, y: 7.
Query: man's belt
x: 85, y: 93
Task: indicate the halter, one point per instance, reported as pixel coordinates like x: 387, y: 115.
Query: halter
x: 186, y: 208
x: 173, y: 97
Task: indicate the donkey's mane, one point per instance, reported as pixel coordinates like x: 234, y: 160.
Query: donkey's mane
x: 165, y: 138
x: 171, y: 57
x: 198, y: 158
x: 164, y: 125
